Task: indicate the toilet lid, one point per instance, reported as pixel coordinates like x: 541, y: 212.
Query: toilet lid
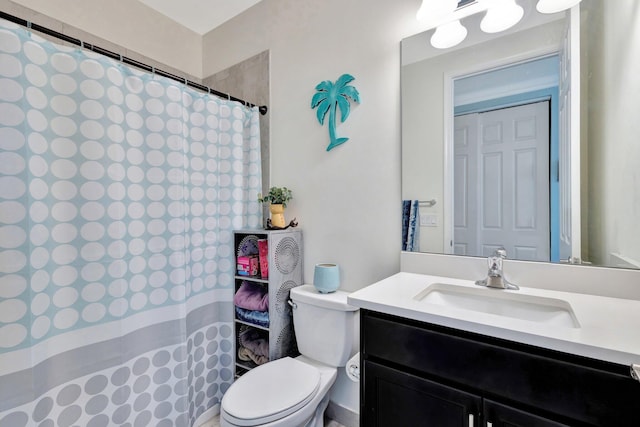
x: 271, y: 391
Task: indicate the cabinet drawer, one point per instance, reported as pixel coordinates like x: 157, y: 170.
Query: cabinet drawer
x: 570, y: 387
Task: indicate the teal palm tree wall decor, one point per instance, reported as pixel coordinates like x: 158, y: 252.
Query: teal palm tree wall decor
x: 331, y: 96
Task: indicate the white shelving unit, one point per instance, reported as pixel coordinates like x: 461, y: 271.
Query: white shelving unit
x: 285, y: 273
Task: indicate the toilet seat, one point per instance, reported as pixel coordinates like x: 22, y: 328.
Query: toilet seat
x: 270, y: 392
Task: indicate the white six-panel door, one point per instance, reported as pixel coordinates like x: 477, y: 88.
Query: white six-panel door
x: 465, y: 200
x: 501, y: 182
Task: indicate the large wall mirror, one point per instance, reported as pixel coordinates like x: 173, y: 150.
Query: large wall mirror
x: 528, y: 139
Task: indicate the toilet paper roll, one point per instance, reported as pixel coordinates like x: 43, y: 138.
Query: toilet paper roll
x: 353, y: 368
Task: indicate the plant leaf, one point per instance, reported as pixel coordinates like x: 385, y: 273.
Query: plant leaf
x: 345, y: 108
x: 318, y: 98
x: 323, y: 108
x: 324, y: 86
x: 344, y: 80
x: 351, y: 92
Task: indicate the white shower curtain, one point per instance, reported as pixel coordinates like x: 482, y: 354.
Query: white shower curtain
x: 119, y: 191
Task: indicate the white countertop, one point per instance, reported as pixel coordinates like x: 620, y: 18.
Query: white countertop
x: 609, y: 327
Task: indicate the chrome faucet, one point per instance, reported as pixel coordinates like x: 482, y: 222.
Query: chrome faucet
x: 495, y: 276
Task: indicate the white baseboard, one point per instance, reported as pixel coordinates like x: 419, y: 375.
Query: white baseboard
x: 344, y: 416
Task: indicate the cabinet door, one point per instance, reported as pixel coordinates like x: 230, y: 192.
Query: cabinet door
x: 498, y: 415
x: 395, y: 398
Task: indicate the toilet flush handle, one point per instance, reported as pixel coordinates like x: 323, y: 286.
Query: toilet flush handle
x: 292, y: 304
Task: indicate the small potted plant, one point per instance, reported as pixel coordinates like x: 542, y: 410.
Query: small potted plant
x: 278, y: 198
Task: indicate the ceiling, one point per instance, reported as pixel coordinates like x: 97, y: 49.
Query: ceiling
x: 200, y: 16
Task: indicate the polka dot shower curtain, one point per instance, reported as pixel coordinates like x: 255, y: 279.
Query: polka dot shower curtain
x: 119, y: 191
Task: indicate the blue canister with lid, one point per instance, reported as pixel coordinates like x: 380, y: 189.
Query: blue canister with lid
x: 326, y: 278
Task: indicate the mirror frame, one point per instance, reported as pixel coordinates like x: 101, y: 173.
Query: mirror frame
x: 599, y: 227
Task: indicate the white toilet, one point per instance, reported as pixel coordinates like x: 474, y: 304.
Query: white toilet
x: 292, y: 392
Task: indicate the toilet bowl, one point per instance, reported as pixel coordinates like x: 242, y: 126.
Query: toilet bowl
x: 286, y: 392
x: 294, y: 392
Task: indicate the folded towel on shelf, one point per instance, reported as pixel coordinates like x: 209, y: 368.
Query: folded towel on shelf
x: 260, y: 318
x: 253, y: 340
x: 252, y: 296
x: 248, y: 355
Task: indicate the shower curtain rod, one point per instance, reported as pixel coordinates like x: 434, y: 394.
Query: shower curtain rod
x: 262, y: 108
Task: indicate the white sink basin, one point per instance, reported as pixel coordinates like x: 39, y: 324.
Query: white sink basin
x: 542, y: 310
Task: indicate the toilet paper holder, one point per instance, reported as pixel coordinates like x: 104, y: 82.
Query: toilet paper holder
x: 354, y: 371
x: 352, y: 368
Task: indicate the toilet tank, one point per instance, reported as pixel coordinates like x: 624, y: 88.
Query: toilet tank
x: 325, y: 325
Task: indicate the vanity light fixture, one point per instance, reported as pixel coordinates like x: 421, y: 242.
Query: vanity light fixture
x: 448, y: 35
x: 500, y: 15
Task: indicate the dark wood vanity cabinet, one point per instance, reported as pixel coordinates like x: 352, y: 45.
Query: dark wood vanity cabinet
x: 419, y: 374
x: 401, y: 399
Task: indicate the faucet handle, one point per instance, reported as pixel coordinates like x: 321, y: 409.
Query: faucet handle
x: 500, y: 252
x: 495, y: 277
x: 495, y: 261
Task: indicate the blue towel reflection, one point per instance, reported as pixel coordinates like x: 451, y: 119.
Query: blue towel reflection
x: 410, y: 225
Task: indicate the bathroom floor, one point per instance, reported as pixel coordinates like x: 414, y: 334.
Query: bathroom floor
x: 215, y: 422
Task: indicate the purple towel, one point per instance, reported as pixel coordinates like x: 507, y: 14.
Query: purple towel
x: 252, y: 296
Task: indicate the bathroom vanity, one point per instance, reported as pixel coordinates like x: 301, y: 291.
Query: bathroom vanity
x: 443, y: 352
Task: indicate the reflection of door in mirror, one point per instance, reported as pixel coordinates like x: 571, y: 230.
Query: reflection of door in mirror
x: 504, y: 150
x: 501, y: 177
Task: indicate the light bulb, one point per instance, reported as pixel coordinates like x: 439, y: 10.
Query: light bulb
x: 502, y: 16
x: 432, y: 10
x: 448, y: 35
x: 554, y: 6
